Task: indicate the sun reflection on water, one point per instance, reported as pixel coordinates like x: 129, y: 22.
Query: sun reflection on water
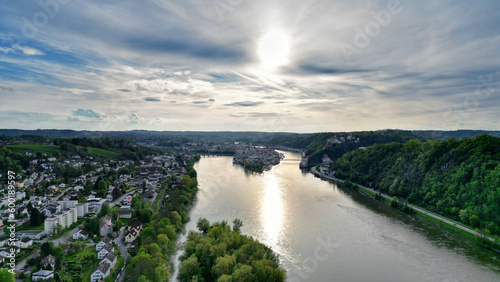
x: 272, y: 214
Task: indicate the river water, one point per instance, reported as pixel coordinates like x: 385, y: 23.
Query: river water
x: 324, y: 232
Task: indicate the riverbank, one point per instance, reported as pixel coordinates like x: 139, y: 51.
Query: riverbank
x: 419, y: 210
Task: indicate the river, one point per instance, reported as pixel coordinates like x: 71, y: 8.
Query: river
x: 324, y: 232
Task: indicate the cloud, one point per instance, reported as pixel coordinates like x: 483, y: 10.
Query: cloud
x: 30, y: 51
x: 152, y: 99
x: 6, y: 89
x: 90, y: 55
x: 135, y: 119
x: 87, y: 113
x: 258, y: 115
x: 16, y: 49
x: 244, y: 104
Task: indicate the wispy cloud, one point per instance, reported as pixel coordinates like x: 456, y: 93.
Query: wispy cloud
x: 87, y: 113
x: 179, y: 62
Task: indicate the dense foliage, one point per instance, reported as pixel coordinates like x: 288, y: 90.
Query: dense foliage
x: 456, y: 178
x: 223, y: 254
x: 157, y: 240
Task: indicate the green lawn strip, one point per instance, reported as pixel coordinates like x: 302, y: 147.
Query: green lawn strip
x: 131, y: 188
x: 448, y: 226
x: 35, y: 148
x: 101, y: 153
x: 27, y: 226
x: 454, y: 221
x: 76, y: 258
x: 120, y: 263
x: 51, y: 149
x: 88, y: 273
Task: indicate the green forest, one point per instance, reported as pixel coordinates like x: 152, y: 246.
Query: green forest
x: 220, y: 253
x: 157, y: 240
x: 456, y: 178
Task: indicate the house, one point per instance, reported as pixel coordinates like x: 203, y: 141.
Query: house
x: 137, y: 225
x: 3, y: 241
x: 42, y: 275
x: 102, y: 271
x: 104, y: 251
x: 81, y: 235
x: 24, y: 243
x: 326, y: 159
x: 48, y: 260
x: 124, y: 214
x: 6, y: 251
x: 32, y: 234
x: 105, y: 226
x: 131, y: 236
x: 110, y: 258
x: 104, y: 241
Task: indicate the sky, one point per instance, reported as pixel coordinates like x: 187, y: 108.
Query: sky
x: 240, y: 65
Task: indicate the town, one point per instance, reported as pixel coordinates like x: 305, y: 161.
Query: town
x: 86, y: 208
x: 78, y: 216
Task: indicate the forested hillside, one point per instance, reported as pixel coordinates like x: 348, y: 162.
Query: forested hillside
x: 457, y: 178
x: 97, y: 147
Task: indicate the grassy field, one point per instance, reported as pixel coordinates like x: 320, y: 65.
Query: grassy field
x: 27, y: 226
x: 79, y: 256
x: 101, y: 153
x: 47, y: 149
x: 51, y: 149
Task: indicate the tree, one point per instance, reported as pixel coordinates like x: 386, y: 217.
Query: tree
x: 203, y: 224
x: 59, y: 228
x: 188, y: 269
x: 161, y: 273
x: 46, y: 249
x: 224, y: 265
x: 225, y: 278
x: 475, y: 221
x: 243, y: 274
x: 36, y: 218
x: 116, y: 193
x: 6, y: 276
x: 237, y: 224
x: 104, y: 210
x: 464, y: 216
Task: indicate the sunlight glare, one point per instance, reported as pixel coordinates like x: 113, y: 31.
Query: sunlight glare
x: 273, y: 49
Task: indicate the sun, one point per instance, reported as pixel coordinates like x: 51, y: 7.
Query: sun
x: 273, y: 49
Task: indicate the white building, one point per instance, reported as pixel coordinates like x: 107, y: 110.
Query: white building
x: 65, y: 218
x: 80, y: 235
x: 102, y: 271
x: 42, y: 275
x: 24, y: 243
x: 82, y: 209
x: 104, y: 251
x: 104, y: 241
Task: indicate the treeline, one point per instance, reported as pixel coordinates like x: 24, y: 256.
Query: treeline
x: 157, y: 239
x: 456, y: 178
x: 126, y: 149
x: 323, y: 143
x: 222, y: 254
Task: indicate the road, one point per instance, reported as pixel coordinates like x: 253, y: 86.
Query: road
x: 418, y: 209
x: 119, y: 243
x: 20, y: 265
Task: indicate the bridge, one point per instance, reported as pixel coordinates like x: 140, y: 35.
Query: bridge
x: 291, y: 160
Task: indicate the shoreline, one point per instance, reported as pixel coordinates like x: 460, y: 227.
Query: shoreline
x: 417, y: 209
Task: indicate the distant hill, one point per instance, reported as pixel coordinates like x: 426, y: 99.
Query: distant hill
x: 315, y: 144
x: 337, y: 144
